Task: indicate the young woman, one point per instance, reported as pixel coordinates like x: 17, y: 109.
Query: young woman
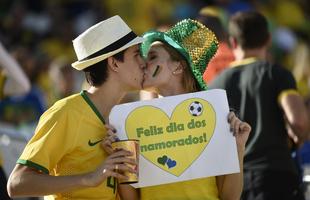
x: 176, y: 60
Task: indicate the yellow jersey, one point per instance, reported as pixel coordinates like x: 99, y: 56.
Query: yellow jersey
x: 198, y: 189
x: 67, y: 142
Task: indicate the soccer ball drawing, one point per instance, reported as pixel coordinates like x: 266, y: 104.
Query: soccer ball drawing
x: 195, y: 108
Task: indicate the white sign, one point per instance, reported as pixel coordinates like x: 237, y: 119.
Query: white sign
x: 181, y: 137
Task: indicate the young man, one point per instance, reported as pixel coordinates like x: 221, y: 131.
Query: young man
x: 64, y: 159
x: 265, y: 96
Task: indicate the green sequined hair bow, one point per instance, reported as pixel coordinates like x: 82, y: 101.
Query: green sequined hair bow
x: 194, y: 41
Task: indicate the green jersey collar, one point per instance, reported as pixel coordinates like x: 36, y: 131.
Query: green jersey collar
x: 91, y: 104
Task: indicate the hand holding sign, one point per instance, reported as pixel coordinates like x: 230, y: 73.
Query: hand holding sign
x: 181, y: 137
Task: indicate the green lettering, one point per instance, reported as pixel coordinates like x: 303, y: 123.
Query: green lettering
x: 180, y: 127
x: 200, y: 139
x: 143, y: 148
x: 150, y: 147
x: 147, y: 132
x: 203, y: 123
x: 188, y: 140
x: 160, y: 130
x: 169, y: 128
x: 169, y: 144
x: 191, y: 124
x: 181, y: 142
x: 139, y: 131
x: 195, y: 140
x: 160, y: 145
x: 205, y: 137
x: 198, y: 124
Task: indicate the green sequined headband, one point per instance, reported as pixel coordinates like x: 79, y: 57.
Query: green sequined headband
x: 195, y: 42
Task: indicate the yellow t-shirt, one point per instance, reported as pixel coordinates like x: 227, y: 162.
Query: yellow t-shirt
x: 199, y: 189
x: 67, y: 142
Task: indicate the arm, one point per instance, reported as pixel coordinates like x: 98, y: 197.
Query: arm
x: 25, y: 181
x: 127, y: 192
x: 296, y: 115
x: 230, y: 186
x: 17, y: 82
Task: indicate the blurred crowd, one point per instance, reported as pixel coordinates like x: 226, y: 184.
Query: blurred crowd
x: 39, y: 35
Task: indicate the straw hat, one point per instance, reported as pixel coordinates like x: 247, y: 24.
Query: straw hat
x: 194, y: 41
x: 103, y: 40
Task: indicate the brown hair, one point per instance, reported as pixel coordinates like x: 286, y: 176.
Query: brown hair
x: 97, y: 74
x: 189, y: 82
x: 250, y: 28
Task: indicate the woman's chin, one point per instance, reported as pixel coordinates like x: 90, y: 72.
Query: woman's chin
x: 146, y: 84
x: 149, y: 88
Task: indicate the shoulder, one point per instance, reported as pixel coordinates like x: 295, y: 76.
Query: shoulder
x: 279, y: 69
x: 225, y: 77
x: 64, y: 106
x: 281, y: 74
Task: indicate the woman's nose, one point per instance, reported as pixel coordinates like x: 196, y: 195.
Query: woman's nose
x: 142, y: 62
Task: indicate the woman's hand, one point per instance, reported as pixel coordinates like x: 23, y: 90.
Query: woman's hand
x: 240, y: 129
x: 230, y: 185
x: 111, y: 137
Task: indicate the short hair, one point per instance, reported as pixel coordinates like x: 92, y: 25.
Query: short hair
x: 97, y: 74
x: 189, y: 82
x: 250, y: 29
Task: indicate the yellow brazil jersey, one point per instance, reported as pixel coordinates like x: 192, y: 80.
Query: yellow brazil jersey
x: 199, y: 189
x: 67, y: 142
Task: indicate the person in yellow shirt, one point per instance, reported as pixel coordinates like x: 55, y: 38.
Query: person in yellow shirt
x: 176, y: 60
x: 64, y: 158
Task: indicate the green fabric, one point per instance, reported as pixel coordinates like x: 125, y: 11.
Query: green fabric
x: 93, y: 107
x: 33, y: 165
x: 154, y: 36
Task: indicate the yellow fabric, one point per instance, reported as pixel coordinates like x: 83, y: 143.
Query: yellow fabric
x: 303, y: 88
x: 1, y: 160
x: 245, y: 61
x: 287, y: 92
x: 296, y: 17
x: 61, y: 145
x: 200, y: 189
x: 2, y: 81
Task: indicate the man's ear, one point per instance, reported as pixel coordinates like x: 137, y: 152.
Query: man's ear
x: 269, y: 41
x: 112, y: 64
x: 178, y: 69
x: 233, y: 42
